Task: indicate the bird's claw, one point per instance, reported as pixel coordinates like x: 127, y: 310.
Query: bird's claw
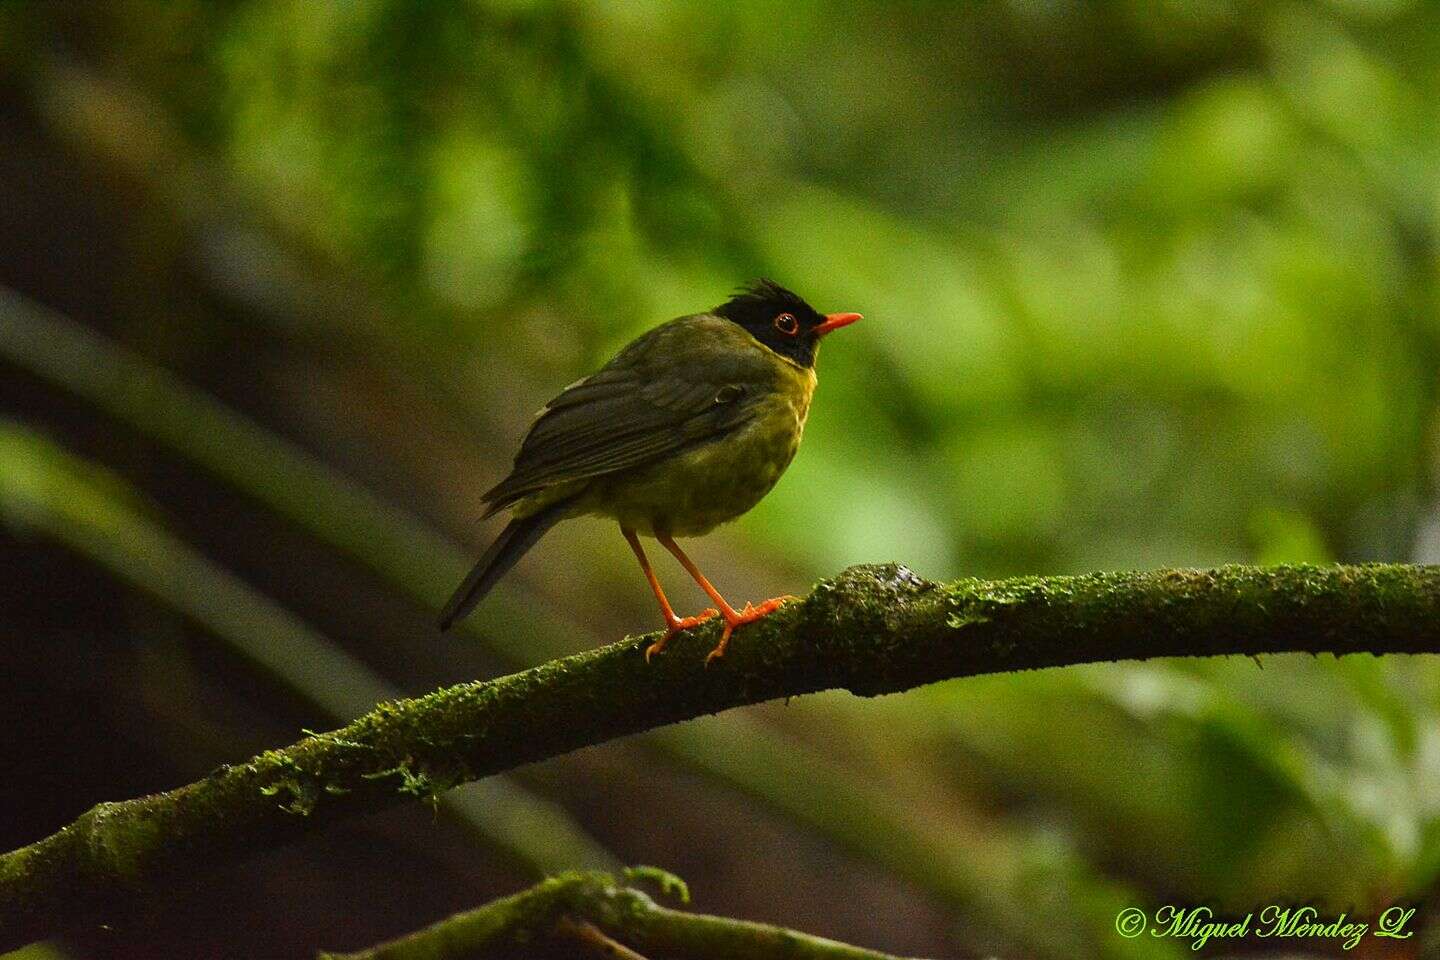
x: 750, y: 614
x: 675, y: 626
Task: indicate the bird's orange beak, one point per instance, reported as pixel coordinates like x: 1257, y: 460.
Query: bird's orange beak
x: 834, y: 321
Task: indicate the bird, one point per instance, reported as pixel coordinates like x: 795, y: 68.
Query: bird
x: 689, y: 426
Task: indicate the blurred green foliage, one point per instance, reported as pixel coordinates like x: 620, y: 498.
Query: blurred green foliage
x: 1204, y: 293
x: 1144, y: 284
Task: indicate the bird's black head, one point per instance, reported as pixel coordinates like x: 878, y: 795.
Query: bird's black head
x: 781, y: 320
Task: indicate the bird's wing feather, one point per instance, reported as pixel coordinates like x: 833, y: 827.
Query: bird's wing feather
x: 680, y: 384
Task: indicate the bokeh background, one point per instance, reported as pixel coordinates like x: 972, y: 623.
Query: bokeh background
x: 281, y: 283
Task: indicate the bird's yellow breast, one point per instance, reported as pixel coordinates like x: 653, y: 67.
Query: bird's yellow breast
x: 690, y: 493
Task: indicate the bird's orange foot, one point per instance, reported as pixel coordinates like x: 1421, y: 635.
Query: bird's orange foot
x: 675, y: 625
x: 751, y: 613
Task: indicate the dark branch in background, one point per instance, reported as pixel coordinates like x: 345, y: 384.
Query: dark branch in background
x: 872, y: 630
x: 593, y: 915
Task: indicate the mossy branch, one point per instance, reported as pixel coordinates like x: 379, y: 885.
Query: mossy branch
x: 593, y: 914
x: 871, y: 630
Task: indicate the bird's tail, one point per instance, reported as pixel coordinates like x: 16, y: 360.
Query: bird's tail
x: 518, y: 536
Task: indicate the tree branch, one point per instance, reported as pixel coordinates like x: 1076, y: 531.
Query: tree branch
x: 612, y: 919
x: 872, y: 630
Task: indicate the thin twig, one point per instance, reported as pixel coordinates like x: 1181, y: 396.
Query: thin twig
x: 595, y: 910
x: 595, y: 940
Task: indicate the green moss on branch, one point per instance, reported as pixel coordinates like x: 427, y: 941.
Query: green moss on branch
x: 871, y: 630
x: 567, y: 907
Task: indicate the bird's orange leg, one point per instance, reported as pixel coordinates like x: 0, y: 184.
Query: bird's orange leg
x: 673, y: 624
x: 733, y: 618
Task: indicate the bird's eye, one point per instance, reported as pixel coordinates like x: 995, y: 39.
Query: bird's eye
x: 787, y: 324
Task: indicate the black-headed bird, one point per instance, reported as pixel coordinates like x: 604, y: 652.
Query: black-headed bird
x: 688, y: 427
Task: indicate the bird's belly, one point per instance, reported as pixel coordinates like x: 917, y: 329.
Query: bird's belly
x: 692, y: 492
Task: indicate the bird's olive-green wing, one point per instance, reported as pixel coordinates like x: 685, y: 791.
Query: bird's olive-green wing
x: 686, y: 382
